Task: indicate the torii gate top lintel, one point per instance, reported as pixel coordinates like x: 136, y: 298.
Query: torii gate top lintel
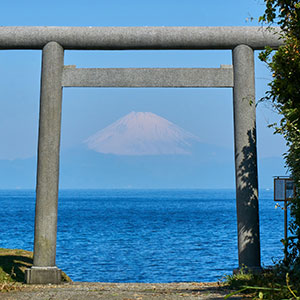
x: 139, y: 38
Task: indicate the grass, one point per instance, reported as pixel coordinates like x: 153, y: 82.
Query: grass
x: 270, y: 284
x: 13, y: 263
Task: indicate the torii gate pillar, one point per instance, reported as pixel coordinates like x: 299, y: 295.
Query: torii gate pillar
x: 246, y: 157
x: 44, y: 269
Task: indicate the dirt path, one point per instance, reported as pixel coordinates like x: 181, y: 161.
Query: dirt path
x: 117, y: 291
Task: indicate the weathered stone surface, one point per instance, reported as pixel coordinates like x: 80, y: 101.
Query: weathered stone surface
x: 119, y: 38
x: 42, y: 275
x: 246, y: 157
x: 150, y: 77
x: 48, y: 156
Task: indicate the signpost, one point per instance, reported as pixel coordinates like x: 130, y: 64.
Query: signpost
x: 284, y: 190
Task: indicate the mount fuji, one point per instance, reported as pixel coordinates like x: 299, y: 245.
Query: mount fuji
x: 142, y: 133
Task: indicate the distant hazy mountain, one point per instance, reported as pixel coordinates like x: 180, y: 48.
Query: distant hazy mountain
x: 141, y: 150
x: 142, y: 133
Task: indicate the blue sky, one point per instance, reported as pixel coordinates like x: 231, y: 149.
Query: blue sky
x: 204, y: 112
x: 129, y: 13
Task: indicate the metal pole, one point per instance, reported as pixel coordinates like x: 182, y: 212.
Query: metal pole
x: 44, y: 269
x: 285, y: 230
x: 246, y: 157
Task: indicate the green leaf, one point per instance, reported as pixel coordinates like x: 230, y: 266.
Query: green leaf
x: 235, y: 292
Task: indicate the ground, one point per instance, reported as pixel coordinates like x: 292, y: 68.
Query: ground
x: 13, y: 263
x: 117, y: 291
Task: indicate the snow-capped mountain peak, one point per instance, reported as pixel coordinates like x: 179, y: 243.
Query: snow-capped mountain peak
x: 142, y: 133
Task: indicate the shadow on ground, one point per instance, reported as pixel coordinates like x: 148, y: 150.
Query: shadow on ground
x: 13, y: 263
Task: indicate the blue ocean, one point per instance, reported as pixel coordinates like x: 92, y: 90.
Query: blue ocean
x: 142, y: 235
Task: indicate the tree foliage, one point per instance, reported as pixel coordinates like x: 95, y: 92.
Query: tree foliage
x: 284, y: 93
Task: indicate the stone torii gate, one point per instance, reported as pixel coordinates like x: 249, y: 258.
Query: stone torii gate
x: 242, y: 41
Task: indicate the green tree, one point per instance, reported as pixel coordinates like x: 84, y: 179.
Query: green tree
x: 284, y: 93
